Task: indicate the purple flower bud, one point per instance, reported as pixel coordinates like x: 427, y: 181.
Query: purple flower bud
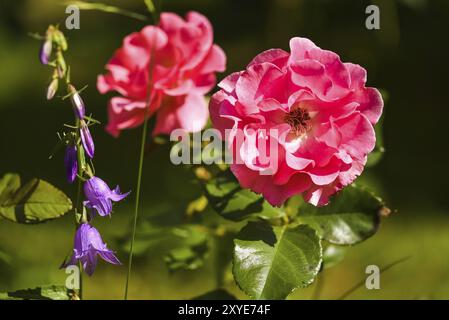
x: 52, y: 88
x: 45, y: 52
x: 86, y: 139
x: 77, y: 103
x: 100, y: 196
x: 71, y: 163
x: 87, y: 245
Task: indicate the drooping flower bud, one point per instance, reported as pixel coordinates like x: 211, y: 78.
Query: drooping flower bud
x: 87, y: 245
x: 86, y: 139
x: 71, y: 163
x: 45, y: 52
x: 100, y: 196
x: 77, y: 102
x: 52, y: 88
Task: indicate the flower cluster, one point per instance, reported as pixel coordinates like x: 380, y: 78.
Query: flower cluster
x: 320, y: 110
x: 166, y: 68
x: 88, y: 243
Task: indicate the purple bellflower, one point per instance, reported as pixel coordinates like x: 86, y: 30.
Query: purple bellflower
x: 71, y: 163
x: 86, y: 139
x: 87, y: 245
x: 100, y: 196
x: 77, y: 103
x: 45, y: 52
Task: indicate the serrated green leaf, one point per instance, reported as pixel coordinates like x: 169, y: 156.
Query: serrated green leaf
x: 35, y: 202
x: 352, y: 216
x: 271, y: 262
x: 40, y: 293
x: 234, y: 203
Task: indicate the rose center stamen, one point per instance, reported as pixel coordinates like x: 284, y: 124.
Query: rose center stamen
x: 299, y: 120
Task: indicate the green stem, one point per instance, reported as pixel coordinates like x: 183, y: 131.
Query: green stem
x: 80, y: 267
x: 78, y: 205
x: 155, y: 14
x: 136, y: 207
x: 362, y: 282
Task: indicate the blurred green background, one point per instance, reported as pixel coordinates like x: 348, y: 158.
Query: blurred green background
x: 407, y: 58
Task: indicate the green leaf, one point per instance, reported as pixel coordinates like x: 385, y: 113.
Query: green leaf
x: 271, y: 262
x: 352, y: 216
x: 234, y: 203
x: 8, y: 186
x: 190, y: 254
x: 40, y: 293
x: 35, y: 202
x: 218, y: 294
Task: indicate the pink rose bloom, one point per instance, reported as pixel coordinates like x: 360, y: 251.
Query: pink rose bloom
x: 320, y: 108
x: 183, y: 60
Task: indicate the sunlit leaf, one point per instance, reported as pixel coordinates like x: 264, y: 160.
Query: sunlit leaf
x: 271, y: 262
x: 35, y: 202
x: 353, y: 215
x: 40, y: 293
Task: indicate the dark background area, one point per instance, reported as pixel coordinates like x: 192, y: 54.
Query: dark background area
x: 407, y: 58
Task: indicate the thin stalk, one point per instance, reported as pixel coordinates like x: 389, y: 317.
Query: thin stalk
x: 155, y: 14
x: 80, y: 267
x: 80, y: 291
x: 78, y: 205
x: 362, y: 282
x: 136, y: 206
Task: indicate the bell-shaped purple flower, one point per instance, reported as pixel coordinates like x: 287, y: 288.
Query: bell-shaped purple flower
x: 45, y: 52
x: 77, y: 102
x: 71, y: 163
x: 100, y: 196
x: 88, y: 244
x: 86, y: 139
